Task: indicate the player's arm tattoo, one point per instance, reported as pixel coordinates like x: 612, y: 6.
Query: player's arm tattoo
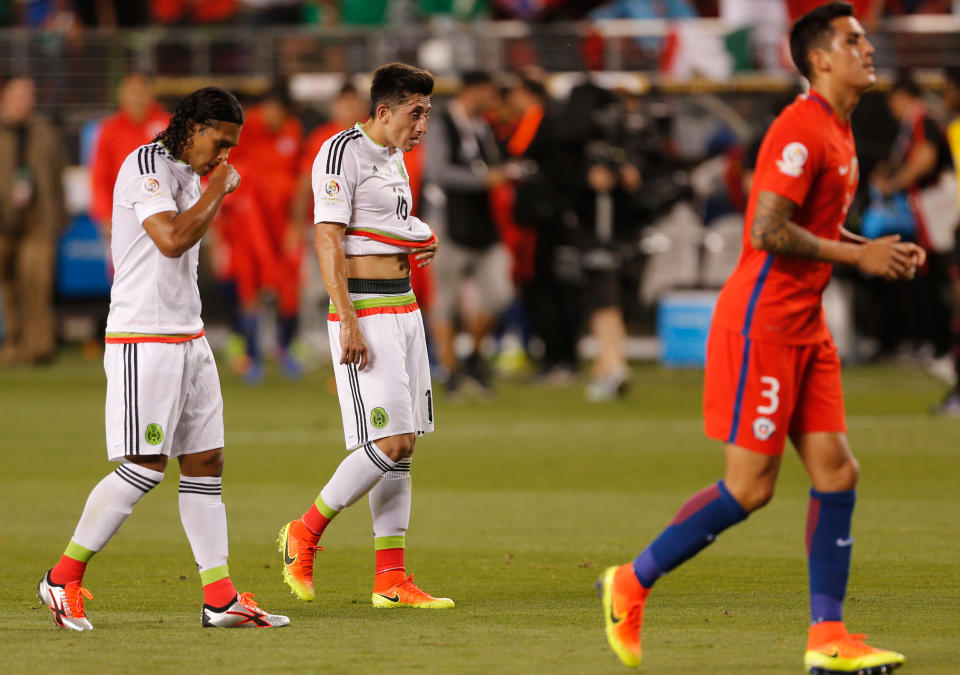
x: 772, y: 230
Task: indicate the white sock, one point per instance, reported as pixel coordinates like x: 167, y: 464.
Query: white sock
x: 390, y: 501
x: 204, y: 519
x: 111, y: 501
x: 357, y: 473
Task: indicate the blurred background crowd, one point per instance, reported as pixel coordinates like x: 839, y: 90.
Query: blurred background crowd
x: 587, y: 168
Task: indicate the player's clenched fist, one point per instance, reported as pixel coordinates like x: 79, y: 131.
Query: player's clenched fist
x: 224, y: 178
x: 890, y: 258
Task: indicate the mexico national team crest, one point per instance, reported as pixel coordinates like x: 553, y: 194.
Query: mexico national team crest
x: 153, y: 434
x: 763, y: 428
x: 332, y: 188
x: 151, y: 185
x: 793, y: 159
x: 379, y: 418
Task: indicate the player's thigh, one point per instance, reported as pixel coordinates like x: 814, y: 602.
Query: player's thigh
x: 492, y: 274
x: 145, y: 385
x: 200, y: 427
x: 819, y: 403
x: 374, y: 402
x: 417, y: 364
x: 449, y: 271
x: 749, y: 391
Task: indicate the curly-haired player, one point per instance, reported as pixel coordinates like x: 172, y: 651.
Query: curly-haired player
x: 163, y: 391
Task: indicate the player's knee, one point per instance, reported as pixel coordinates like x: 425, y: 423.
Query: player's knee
x: 848, y: 474
x: 152, y: 462
x: 758, y: 497
x: 397, y: 447
x: 209, y: 463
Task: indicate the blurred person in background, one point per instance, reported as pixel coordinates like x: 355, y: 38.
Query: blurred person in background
x: 346, y: 108
x: 138, y: 120
x: 914, y: 316
x: 32, y: 215
x: 551, y: 293
x: 950, y: 405
x: 595, y: 136
x: 265, y: 242
x: 463, y: 165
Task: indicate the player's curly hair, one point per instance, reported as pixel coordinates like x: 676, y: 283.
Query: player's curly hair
x: 210, y: 104
x: 812, y: 30
x: 395, y: 81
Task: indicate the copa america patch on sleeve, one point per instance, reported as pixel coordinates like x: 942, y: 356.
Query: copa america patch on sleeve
x: 793, y: 159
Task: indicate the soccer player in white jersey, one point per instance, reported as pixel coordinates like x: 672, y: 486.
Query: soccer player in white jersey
x: 163, y: 391
x: 365, y: 236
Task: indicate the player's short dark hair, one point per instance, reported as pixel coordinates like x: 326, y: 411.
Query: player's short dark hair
x: 904, y: 82
x: 396, y: 81
x: 813, y: 30
x: 201, y: 108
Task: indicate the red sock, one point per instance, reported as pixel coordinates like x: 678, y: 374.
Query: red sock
x: 219, y: 593
x: 67, y: 570
x: 390, y: 569
x: 315, y: 521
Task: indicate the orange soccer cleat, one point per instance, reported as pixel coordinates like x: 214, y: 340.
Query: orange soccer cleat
x: 831, y: 649
x: 407, y: 594
x: 298, y: 547
x: 623, y: 599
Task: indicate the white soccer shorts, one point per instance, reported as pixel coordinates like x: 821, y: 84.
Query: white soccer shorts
x: 393, y: 394
x: 162, y: 399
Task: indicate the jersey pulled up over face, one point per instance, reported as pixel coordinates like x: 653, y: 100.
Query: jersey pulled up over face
x: 152, y: 294
x: 361, y: 184
x: 807, y: 156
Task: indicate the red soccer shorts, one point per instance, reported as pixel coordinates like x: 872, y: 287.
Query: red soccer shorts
x: 756, y: 394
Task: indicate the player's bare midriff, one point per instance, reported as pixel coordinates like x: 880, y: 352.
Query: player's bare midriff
x: 393, y: 266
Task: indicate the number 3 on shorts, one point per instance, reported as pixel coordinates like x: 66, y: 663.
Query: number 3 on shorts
x: 770, y: 392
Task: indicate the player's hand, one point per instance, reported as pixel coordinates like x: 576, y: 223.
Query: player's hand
x: 425, y: 256
x: 224, y: 178
x: 887, y: 257
x: 353, y: 346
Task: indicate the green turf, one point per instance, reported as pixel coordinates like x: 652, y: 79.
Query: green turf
x: 519, y: 504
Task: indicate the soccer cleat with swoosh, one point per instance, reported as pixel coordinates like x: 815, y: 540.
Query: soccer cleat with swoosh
x: 244, y: 612
x: 408, y: 594
x: 66, y: 603
x: 623, y: 599
x: 831, y: 649
x: 298, y: 553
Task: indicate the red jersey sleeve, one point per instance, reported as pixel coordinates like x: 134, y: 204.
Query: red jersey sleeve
x: 789, y: 160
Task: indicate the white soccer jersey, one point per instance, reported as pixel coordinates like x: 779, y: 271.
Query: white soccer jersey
x: 361, y: 184
x: 152, y: 294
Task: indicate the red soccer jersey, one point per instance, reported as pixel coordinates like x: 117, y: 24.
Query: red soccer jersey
x: 807, y: 156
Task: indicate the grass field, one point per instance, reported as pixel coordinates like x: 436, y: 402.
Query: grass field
x: 518, y: 505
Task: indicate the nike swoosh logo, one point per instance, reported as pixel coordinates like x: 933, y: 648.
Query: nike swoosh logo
x: 834, y: 654
x: 287, y: 560
x: 845, y: 542
x: 395, y: 598
x: 613, y: 617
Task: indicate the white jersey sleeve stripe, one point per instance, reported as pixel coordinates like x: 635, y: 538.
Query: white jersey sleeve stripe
x: 337, y: 148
